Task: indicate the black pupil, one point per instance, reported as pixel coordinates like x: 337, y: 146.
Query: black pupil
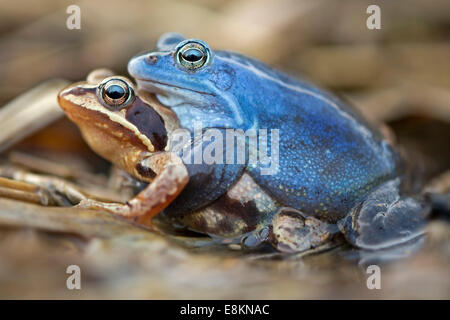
x: 192, y: 55
x: 115, y: 91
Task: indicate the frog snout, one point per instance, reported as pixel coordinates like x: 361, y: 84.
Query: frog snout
x: 139, y: 66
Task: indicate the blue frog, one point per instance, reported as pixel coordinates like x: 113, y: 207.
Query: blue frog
x: 335, y: 172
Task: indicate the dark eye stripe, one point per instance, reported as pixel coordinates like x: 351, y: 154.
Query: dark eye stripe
x: 149, y: 123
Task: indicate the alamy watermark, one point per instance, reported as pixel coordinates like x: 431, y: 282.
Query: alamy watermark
x: 373, y: 22
x: 73, y: 282
x: 258, y: 148
x: 74, y: 19
x: 374, y: 280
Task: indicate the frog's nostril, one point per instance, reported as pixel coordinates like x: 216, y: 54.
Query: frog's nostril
x: 151, y: 59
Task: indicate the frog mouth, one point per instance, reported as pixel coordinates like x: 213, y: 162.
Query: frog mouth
x: 158, y: 84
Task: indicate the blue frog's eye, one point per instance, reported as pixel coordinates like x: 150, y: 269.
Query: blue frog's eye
x: 192, y: 55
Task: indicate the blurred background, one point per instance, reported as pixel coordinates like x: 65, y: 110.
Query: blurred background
x: 398, y: 74
x: 325, y: 40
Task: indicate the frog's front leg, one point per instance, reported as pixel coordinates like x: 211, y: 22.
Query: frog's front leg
x: 170, y: 177
x: 385, y: 219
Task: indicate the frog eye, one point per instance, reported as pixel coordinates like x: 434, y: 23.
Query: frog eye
x: 115, y: 93
x: 192, y: 54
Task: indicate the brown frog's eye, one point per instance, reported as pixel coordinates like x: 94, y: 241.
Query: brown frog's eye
x: 115, y: 93
x: 192, y: 54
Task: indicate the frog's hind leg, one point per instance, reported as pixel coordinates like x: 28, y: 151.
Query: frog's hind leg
x: 385, y: 219
x: 293, y: 231
x: 165, y: 187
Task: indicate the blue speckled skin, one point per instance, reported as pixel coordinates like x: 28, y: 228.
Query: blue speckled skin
x: 207, y: 182
x: 330, y: 157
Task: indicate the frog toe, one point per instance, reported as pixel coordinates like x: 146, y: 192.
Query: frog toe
x: 293, y: 231
x: 385, y: 219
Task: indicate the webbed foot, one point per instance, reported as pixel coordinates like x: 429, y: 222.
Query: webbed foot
x: 292, y: 231
x: 385, y: 219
